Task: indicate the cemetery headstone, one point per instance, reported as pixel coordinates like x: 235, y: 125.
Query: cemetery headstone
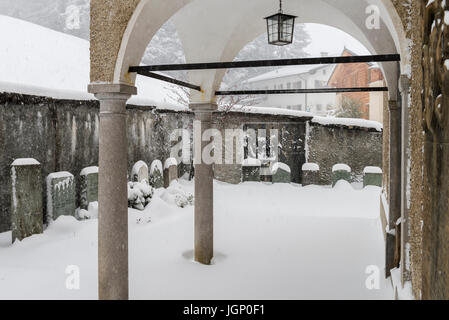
x: 139, y: 172
x: 26, y: 199
x: 89, y: 186
x: 61, y: 195
x: 156, y: 174
x: 170, y: 171
x: 251, y: 170
x: 372, y: 176
x: 340, y: 171
x: 281, y: 173
x: 310, y: 174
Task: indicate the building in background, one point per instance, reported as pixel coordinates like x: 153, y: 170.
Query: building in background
x: 296, y: 77
x: 360, y: 75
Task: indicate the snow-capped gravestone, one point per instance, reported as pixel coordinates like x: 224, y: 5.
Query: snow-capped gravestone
x: 26, y: 199
x: 156, y: 177
x: 89, y: 186
x: 139, y: 172
x: 170, y: 171
x: 61, y: 195
x: 281, y: 173
x: 251, y: 170
x: 340, y: 171
x: 310, y: 174
x: 372, y: 176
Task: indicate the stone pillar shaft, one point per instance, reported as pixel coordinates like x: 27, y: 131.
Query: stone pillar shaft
x: 404, y: 87
x: 204, y: 191
x: 393, y: 240
x: 112, y: 196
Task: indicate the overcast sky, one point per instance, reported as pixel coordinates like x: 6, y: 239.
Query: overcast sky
x: 331, y: 40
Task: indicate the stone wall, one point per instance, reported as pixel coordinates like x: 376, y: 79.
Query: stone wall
x: 356, y: 147
x: 63, y: 136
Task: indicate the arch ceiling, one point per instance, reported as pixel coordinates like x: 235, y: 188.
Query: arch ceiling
x: 216, y: 30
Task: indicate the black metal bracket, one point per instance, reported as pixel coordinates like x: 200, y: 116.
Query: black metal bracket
x: 296, y: 91
x: 168, y: 79
x: 268, y: 63
x: 148, y: 71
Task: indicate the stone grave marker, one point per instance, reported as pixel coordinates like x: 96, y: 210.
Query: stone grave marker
x: 156, y: 174
x: 89, y: 186
x: 310, y: 174
x: 61, y: 195
x: 372, y: 176
x: 281, y: 173
x: 170, y: 171
x: 27, y: 215
x: 341, y: 171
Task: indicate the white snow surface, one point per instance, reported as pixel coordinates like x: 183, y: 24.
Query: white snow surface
x: 341, y: 167
x: 362, y: 123
x: 89, y: 170
x: 25, y: 162
x: 372, y: 170
x: 40, y: 61
x: 280, y: 165
x: 310, y: 166
x: 263, y: 248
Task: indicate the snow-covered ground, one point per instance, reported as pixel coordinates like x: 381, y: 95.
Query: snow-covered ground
x: 271, y: 242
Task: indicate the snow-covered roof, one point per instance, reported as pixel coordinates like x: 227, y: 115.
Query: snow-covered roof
x: 350, y: 122
x: 286, y: 72
x: 40, y: 61
x: 25, y: 162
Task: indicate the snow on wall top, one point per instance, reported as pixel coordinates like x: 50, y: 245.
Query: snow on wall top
x: 40, y: 61
x: 272, y: 111
x: 341, y: 167
x: 25, y: 162
x: 348, y: 122
x: 310, y: 166
x: 89, y: 170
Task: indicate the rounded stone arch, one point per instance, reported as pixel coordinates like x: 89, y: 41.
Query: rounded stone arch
x: 231, y: 24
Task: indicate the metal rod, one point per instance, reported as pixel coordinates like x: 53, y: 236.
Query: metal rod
x: 268, y: 63
x: 168, y: 79
x: 296, y: 91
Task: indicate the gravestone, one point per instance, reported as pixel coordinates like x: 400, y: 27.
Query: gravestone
x: 310, y: 174
x: 156, y: 177
x: 251, y: 170
x: 266, y: 174
x: 27, y: 215
x: 139, y: 172
x: 61, y: 195
x: 341, y: 172
x: 281, y: 173
x: 372, y: 176
x: 89, y: 186
x: 170, y: 171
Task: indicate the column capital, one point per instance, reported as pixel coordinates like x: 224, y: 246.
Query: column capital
x: 203, y: 107
x: 111, y: 88
x: 404, y: 84
x: 393, y: 105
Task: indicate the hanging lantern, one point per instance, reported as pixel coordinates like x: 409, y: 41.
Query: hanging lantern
x: 280, y: 28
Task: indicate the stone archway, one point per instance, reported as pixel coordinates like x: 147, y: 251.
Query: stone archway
x: 120, y: 32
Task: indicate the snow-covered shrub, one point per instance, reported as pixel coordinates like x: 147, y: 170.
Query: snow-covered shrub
x: 175, y: 194
x: 139, y: 194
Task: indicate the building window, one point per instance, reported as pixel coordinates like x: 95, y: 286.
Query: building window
x: 281, y: 86
x: 299, y: 85
x: 300, y: 107
x: 289, y: 85
x: 319, y: 107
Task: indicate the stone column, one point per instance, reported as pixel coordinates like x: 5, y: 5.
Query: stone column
x: 404, y: 87
x: 204, y: 191
x: 112, y: 197
x: 393, y: 235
